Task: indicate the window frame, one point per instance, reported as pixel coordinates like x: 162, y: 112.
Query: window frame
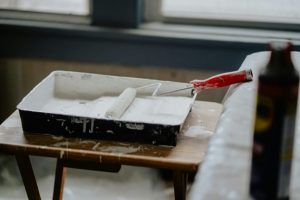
x: 131, y: 41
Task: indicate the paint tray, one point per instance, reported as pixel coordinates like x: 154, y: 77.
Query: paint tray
x: 73, y: 104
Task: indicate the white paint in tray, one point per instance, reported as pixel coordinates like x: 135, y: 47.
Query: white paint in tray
x: 149, y: 109
x: 89, y: 96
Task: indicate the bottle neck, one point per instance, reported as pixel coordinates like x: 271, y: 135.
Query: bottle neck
x: 280, y: 69
x: 280, y: 60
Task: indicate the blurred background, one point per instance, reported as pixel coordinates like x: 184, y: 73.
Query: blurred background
x: 160, y: 39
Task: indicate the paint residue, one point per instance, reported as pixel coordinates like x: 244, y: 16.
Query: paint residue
x: 57, y: 137
x: 198, y: 131
x: 87, y: 142
x: 144, y: 109
x: 11, y: 123
x: 212, y: 110
x: 135, y: 126
x: 96, y: 146
x: 62, y: 144
x: 109, y: 131
x: 87, y: 123
x: 118, y: 149
x: 61, y: 154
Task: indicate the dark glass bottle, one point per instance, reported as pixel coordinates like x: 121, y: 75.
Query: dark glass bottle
x: 274, y: 126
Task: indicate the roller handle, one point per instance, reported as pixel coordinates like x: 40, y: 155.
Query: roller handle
x: 223, y: 80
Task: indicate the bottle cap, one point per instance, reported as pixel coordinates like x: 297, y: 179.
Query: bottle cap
x: 281, y: 46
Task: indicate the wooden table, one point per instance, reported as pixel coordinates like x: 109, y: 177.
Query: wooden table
x: 110, y: 155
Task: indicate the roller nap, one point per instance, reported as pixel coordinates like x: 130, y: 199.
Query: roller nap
x: 121, y: 103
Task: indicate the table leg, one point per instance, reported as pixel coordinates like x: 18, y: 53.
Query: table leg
x: 179, y: 181
x: 28, y: 176
x: 59, y: 181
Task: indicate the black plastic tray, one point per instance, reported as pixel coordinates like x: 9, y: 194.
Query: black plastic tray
x: 71, y: 91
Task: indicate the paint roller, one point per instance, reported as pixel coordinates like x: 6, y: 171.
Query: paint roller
x: 121, y: 103
x: 124, y: 100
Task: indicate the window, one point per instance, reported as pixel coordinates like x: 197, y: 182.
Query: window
x: 70, y: 11
x: 73, y: 7
x: 115, y: 13
x: 263, y: 13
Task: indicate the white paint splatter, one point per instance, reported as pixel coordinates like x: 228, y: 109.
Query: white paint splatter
x: 11, y: 123
x: 166, y: 146
x: 57, y: 137
x: 96, y: 146
x: 84, y: 121
x: 87, y: 142
x: 198, y: 131
x: 84, y: 125
x: 135, y: 126
x: 212, y: 110
x: 92, y: 126
x: 100, y: 159
x: 62, y: 121
x: 62, y: 144
x: 110, y: 131
x: 118, y: 149
x: 61, y: 154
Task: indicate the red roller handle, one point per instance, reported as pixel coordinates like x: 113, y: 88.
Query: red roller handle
x: 223, y: 80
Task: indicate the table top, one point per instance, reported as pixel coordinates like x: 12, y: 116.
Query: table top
x: 186, y: 155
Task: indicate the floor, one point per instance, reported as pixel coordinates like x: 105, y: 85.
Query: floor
x: 131, y: 183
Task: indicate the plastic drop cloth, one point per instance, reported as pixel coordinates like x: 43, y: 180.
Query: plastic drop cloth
x: 225, y: 172
x: 131, y: 183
